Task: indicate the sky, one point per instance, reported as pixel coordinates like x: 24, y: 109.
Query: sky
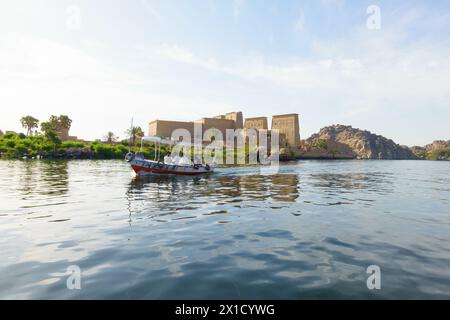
x: 103, y: 62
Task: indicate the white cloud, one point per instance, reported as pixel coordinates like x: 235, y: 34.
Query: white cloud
x: 365, y: 79
x: 41, y: 77
x: 44, y: 60
x: 407, y: 72
x: 361, y: 79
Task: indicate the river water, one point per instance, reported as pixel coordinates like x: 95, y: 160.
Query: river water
x: 309, y: 231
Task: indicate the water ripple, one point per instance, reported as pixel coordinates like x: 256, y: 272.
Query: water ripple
x: 309, y: 231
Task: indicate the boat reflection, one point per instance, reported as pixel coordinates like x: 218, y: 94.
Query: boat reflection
x: 157, y: 194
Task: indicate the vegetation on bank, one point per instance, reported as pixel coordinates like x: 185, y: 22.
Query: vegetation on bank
x: 18, y: 146
x: 439, y: 154
x: 48, y: 143
x: 442, y: 153
x: 437, y: 150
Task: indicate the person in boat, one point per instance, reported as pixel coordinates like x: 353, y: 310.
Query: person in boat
x: 168, y: 159
x: 185, y: 160
x: 197, y: 159
x: 176, y: 159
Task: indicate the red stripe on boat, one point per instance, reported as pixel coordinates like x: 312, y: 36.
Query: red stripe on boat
x: 138, y: 169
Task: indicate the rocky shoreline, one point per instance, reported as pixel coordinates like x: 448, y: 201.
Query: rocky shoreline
x: 345, y: 142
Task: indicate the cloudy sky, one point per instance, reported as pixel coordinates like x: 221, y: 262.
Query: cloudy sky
x: 104, y: 61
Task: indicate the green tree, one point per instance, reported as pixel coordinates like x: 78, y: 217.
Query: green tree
x: 321, y: 144
x: 51, y: 130
x: 49, y: 126
x: 29, y: 123
x: 110, y: 137
x: 135, y: 133
x: 53, y: 138
x: 56, y: 123
x: 64, y: 122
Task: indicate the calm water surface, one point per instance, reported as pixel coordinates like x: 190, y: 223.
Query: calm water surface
x: 309, y: 231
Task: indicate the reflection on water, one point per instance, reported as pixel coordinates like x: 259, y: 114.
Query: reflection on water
x: 374, y: 181
x: 160, y: 195
x: 309, y: 231
x: 46, y: 178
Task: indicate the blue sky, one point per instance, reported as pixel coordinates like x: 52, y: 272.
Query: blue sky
x: 183, y: 60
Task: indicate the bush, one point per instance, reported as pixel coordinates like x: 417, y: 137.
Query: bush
x: 439, y: 154
x: 13, y: 145
x: 9, y: 135
x: 10, y: 144
x: 321, y: 144
x: 72, y: 145
x: 120, y: 151
x: 103, y: 151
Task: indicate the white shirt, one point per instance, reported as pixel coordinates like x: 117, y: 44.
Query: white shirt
x: 167, y: 159
x: 186, y: 160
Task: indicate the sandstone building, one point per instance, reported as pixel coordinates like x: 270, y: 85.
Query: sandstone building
x: 64, y: 135
x: 256, y: 123
x: 288, y: 126
x: 164, y: 128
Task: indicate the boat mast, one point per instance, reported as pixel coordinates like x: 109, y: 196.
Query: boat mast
x: 131, y: 135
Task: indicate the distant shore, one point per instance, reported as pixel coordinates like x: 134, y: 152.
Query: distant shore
x: 20, y: 146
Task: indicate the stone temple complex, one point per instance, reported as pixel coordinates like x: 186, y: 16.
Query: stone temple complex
x: 287, y: 125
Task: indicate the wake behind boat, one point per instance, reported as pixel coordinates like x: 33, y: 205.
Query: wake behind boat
x: 175, y: 166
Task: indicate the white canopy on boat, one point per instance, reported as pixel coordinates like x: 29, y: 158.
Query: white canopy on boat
x: 156, y: 139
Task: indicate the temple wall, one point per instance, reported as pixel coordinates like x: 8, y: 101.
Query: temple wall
x: 221, y: 124
x: 238, y: 119
x: 259, y: 123
x: 164, y: 128
x: 288, y: 124
x: 64, y: 135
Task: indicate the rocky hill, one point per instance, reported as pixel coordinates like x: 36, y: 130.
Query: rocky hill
x: 340, y: 141
x: 438, y: 150
x: 438, y: 144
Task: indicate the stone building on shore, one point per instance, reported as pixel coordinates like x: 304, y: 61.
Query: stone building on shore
x: 287, y: 125
x: 64, y: 135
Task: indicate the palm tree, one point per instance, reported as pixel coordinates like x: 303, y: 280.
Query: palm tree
x: 110, y: 137
x: 29, y: 123
x: 65, y: 122
x: 56, y: 124
x: 61, y: 122
x: 133, y: 133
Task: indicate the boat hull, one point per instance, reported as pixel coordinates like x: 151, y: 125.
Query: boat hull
x: 146, y: 167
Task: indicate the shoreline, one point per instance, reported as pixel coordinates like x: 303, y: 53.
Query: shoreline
x: 244, y: 165
x: 22, y: 147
